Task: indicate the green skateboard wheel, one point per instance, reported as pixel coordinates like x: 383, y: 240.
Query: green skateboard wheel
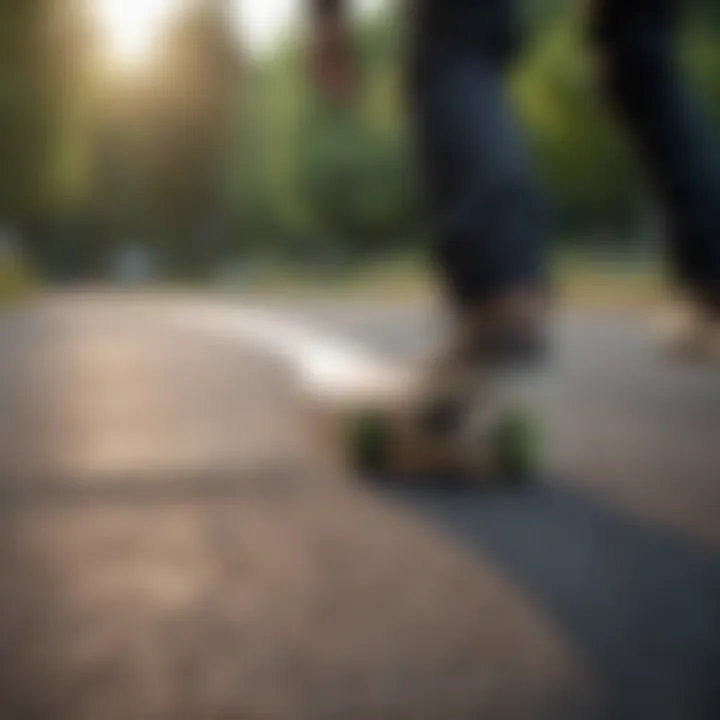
x: 369, y: 441
x: 517, y: 446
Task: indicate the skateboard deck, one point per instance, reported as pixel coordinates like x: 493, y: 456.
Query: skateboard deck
x: 371, y: 416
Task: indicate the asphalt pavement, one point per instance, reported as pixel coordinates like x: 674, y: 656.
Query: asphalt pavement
x: 178, y: 542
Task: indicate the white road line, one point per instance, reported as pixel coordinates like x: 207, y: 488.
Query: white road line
x: 322, y: 363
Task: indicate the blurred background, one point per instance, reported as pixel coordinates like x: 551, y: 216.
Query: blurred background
x: 181, y: 140
x: 182, y: 535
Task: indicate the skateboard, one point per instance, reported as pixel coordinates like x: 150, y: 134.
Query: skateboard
x: 381, y: 422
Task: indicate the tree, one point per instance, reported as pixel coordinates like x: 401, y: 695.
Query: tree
x: 25, y: 114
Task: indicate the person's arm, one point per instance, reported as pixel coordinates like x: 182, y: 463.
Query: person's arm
x: 332, y: 60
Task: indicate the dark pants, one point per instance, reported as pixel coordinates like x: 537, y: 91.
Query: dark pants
x: 488, y: 218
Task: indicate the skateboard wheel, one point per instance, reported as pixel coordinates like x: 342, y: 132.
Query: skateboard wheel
x: 517, y: 446
x: 369, y: 441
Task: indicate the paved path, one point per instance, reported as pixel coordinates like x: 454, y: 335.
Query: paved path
x: 175, y: 545
x: 633, y: 428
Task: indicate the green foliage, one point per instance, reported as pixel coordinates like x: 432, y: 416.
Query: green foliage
x: 579, y: 150
x: 354, y: 181
x: 226, y: 155
x: 701, y: 54
x: 329, y: 180
x: 346, y: 177
x: 23, y: 110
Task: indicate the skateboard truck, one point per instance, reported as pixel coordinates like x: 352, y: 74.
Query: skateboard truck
x: 374, y: 414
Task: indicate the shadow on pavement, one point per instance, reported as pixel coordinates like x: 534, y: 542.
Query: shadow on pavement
x: 641, y: 604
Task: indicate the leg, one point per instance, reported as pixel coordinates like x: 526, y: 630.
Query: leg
x: 488, y: 231
x: 635, y: 40
x: 486, y: 213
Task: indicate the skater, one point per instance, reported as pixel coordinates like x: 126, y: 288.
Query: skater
x: 487, y: 220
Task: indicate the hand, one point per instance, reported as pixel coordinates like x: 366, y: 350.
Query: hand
x: 332, y: 61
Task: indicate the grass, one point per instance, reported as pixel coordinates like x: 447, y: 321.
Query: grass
x: 17, y: 282
x: 610, y: 284
x: 579, y: 281
x: 396, y: 279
